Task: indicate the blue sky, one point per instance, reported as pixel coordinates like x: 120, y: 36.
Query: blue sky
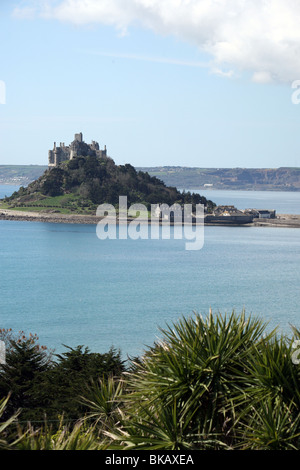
x: 158, y: 83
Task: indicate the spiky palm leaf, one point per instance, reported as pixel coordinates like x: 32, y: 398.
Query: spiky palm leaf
x: 77, y: 438
x: 198, y: 364
x: 273, y: 425
x: 162, y: 427
x: 4, y: 444
x: 105, y: 400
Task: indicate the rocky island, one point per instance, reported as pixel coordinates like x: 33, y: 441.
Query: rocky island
x: 81, y: 176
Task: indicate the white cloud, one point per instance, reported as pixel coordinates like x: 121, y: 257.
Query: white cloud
x: 262, y: 77
x: 261, y: 37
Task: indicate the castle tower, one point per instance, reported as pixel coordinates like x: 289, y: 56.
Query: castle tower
x: 79, y: 137
x: 63, y: 153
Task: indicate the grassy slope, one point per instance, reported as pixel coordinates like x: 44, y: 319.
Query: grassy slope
x: 80, y: 185
x: 65, y: 204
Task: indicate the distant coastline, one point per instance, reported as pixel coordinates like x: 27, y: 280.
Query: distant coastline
x: 239, y: 179
x: 246, y: 179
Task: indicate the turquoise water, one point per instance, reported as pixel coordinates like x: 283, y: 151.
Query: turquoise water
x: 284, y: 202
x: 7, y: 190
x: 63, y: 283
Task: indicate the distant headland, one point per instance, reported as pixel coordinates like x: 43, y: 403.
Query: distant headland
x: 251, y: 179
x: 246, y: 179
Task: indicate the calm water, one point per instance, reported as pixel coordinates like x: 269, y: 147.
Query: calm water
x: 7, y: 190
x: 284, y: 202
x: 63, y: 283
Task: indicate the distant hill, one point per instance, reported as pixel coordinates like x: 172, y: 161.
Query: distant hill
x: 280, y: 179
x: 81, y: 184
x: 20, y: 174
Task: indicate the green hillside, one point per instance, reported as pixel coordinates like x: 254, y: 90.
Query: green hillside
x: 81, y: 184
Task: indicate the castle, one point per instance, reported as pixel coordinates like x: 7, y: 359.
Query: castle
x: 76, y: 148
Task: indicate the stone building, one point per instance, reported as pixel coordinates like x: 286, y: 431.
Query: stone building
x: 78, y: 147
x: 228, y: 215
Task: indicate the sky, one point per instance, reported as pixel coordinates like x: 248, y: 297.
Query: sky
x: 195, y: 83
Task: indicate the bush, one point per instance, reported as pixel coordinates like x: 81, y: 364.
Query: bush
x: 212, y: 383
x: 215, y: 382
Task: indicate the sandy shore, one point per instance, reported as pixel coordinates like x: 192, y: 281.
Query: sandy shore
x: 282, y: 220
x: 6, y: 214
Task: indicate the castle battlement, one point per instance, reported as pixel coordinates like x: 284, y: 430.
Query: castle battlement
x: 78, y: 147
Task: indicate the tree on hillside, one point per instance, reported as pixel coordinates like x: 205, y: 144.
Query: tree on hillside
x: 69, y: 379
x: 52, y: 184
x: 22, y: 375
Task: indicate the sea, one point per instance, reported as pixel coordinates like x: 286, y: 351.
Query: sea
x: 72, y: 289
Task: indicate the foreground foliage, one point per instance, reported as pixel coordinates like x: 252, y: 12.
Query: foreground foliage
x: 215, y: 382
